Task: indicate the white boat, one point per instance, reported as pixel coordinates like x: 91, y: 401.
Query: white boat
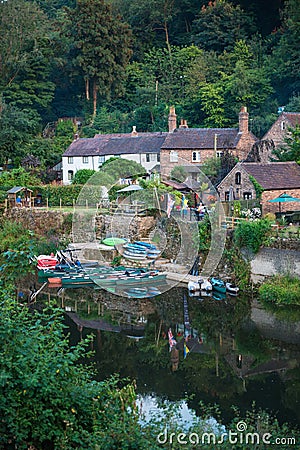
x: 193, y: 286
x: 200, y: 285
x: 205, y: 285
x: 232, y: 289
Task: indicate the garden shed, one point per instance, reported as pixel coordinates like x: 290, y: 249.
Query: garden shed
x: 19, y: 196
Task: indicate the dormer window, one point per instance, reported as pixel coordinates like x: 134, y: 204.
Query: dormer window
x: 238, y: 178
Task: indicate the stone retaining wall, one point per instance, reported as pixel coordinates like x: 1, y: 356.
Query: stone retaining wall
x: 272, y: 261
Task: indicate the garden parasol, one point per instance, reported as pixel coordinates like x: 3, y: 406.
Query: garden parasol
x: 284, y: 198
x: 130, y: 188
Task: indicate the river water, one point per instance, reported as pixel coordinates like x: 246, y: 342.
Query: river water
x: 239, y: 353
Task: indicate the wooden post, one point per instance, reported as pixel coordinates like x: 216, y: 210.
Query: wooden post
x: 86, y: 204
x: 5, y: 203
x: 60, y: 203
x: 47, y: 203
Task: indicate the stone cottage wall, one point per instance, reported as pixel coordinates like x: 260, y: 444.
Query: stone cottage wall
x: 245, y: 186
x: 184, y: 159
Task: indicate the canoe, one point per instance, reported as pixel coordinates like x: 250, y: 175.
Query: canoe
x: 112, y: 241
x: 146, y: 244
x: 218, y: 285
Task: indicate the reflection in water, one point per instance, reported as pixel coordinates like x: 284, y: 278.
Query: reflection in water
x: 230, y: 360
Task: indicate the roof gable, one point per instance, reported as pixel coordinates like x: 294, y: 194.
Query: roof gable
x: 276, y: 175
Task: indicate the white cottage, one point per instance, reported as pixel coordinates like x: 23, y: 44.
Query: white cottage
x: 91, y: 153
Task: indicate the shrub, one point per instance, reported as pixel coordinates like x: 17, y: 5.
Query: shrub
x: 281, y: 290
x: 252, y: 234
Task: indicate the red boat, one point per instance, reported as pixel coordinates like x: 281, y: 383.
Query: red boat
x: 46, y: 261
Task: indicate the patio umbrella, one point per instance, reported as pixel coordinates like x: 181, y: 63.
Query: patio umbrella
x: 130, y: 188
x: 284, y: 198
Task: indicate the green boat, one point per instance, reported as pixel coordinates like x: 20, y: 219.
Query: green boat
x: 112, y: 241
x: 122, y: 281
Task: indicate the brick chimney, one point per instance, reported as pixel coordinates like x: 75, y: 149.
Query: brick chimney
x: 172, y: 119
x: 243, y: 120
x: 134, y: 133
x: 183, y: 124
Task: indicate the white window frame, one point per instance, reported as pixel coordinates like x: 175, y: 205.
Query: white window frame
x: 101, y: 160
x: 173, y: 156
x: 85, y: 160
x: 70, y: 160
x: 196, y: 156
x: 70, y: 175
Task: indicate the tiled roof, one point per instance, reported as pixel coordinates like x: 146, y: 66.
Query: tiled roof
x: 202, y: 138
x: 275, y: 175
x: 292, y: 117
x: 117, y: 144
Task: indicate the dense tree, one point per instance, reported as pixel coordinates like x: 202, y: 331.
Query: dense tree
x: 290, y: 151
x: 25, y: 55
x: 102, y: 42
x: 16, y: 127
x: 285, y: 61
x: 219, y: 25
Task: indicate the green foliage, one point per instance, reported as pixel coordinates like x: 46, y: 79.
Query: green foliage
x: 203, y: 238
x: 281, y: 290
x: 258, y: 187
x: 102, y: 42
x: 291, y: 150
x: 252, y: 234
x: 241, y: 270
x: 122, y: 168
x: 178, y: 173
x: 82, y: 176
x: 18, y: 177
x: 17, y: 247
x: 47, y: 398
x: 219, y: 25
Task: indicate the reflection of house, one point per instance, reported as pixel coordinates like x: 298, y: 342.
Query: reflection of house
x: 280, y: 129
x: 275, y: 179
x: 91, y: 153
x: 190, y: 147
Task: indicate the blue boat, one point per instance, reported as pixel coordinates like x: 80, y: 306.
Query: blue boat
x: 218, y: 285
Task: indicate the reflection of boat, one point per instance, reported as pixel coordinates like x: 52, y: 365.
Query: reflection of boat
x: 218, y: 285
x: 218, y: 295
x: 232, y: 289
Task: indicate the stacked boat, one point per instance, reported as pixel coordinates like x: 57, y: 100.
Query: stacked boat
x: 140, y: 251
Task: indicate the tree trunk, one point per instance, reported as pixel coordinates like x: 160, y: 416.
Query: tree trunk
x: 87, y: 89
x: 94, y: 98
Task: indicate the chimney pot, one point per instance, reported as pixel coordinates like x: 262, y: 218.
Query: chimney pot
x: 134, y: 132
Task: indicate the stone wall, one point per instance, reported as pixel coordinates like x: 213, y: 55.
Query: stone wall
x: 238, y: 189
x: 274, y: 207
x: 87, y: 227
x: 42, y: 222
x: 272, y: 261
